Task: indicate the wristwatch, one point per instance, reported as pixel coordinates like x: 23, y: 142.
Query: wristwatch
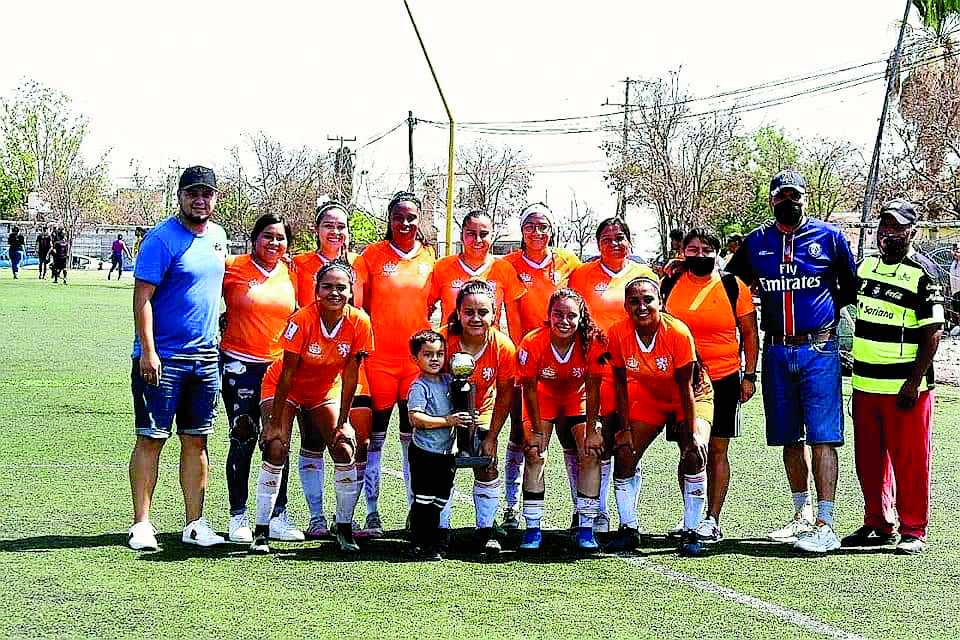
x: 752, y: 377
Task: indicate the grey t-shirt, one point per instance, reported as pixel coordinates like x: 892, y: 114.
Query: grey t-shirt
x: 433, y: 399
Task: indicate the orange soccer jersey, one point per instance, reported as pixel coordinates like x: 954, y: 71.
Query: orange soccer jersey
x: 258, y: 305
x: 450, y: 274
x: 496, y: 363
x: 305, y: 267
x: 602, y: 289
x: 705, y: 308
x: 395, y: 292
x: 541, y: 280
x: 558, y: 375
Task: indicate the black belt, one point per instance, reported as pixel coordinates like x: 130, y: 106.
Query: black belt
x: 801, y: 339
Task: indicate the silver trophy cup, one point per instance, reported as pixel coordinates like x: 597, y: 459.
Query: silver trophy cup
x: 463, y: 398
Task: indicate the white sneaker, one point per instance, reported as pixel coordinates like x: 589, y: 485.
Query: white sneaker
x: 820, y: 540
x: 317, y: 527
x: 282, y: 529
x: 793, y: 530
x: 199, y: 533
x: 143, y: 537
x: 239, y: 529
x: 677, y: 531
x: 601, y: 524
x: 708, y: 531
x: 373, y: 526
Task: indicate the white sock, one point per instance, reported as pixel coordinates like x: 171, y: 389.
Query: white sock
x: 405, y: 440
x: 694, y: 497
x: 532, y: 512
x: 606, y: 473
x: 311, y: 479
x: 588, y: 509
x: 371, y: 478
x: 486, y: 498
x: 447, y: 512
x: 802, y: 504
x: 572, y: 462
x: 346, y: 484
x: 511, y: 473
x: 825, y: 511
x: 626, y: 494
x: 268, y: 488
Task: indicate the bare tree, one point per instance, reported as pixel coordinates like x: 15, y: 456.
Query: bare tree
x: 836, y: 176
x: 496, y: 180
x: 578, y: 227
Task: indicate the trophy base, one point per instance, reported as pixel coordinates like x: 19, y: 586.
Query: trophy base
x: 465, y: 460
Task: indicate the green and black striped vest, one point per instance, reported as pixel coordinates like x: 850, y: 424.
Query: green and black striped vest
x: 894, y: 303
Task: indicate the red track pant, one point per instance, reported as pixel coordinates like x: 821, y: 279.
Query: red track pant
x: 892, y: 449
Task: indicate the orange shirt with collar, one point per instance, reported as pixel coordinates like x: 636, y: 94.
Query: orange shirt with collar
x: 541, y: 280
x: 451, y: 273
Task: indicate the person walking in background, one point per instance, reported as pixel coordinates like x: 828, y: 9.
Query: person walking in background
x: 61, y: 251
x: 16, y: 242
x: 899, y: 321
x: 118, y: 251
x: 44, y: 245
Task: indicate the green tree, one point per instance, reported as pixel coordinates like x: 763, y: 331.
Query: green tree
x: 12, y: 197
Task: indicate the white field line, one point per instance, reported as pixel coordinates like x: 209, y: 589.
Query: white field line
x: 787, y: 615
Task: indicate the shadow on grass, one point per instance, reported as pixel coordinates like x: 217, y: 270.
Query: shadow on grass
x: 53, y: 543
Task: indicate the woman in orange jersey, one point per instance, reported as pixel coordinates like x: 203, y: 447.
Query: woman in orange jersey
x: 601, y: 284
x: 659, y: 384
x: 560, y: 368
x: 323, y: 346
x: 259, y: 297
x: 333, y: 238
x: 716, y: 308
x: 394, y: 273
x: 474, y: 262
x: 542, y: 268
x: 470, y: 330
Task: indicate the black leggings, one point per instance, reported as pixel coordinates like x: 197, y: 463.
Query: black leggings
x: 431, y: 477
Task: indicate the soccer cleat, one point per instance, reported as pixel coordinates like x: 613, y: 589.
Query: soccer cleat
x: 373, y: 526
x: 510, y: 521
x: 425, y: 554
x: 486, y: 541
x: 585, y: 539
x: 199, y: 533
x: 793, y: 530
x: 143, y: 537
x: 260, y: 546
x: 690, y: 544
x: 867, y: 536
x: 344, y: 537
x: 282, y: 529
x: 627, y: 539
x: 677, y: 531
x: 317, y: 528
x: 532, y: 538
x: 601, y: 524
x: 239, y: 529
x: 708, y: 531
x: 820, y: 540
x: 910, y: 546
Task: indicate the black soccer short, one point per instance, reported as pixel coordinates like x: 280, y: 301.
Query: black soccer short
x: 726, y: 407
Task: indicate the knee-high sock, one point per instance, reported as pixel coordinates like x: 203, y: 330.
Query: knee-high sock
x: 606, y: 473
x: 486, y: 499
x: 268, y: 486
x: 405, y: 440
x: 511, y: 474
x: 532, y: 509
x: 311, y: 479
x: 347, y: 487
x: 694, y: 497
x: 587, y: 507
x: 626, y: 490
x: 573, y: 473
x: 371, y: 477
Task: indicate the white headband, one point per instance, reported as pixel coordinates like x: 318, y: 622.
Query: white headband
x: 536, y: 207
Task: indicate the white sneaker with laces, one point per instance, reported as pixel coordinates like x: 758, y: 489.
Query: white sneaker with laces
x: 793, y: 530
x: 239, y: 529
x: 820, y: 540
x: 282, y: 529
x: 201, y: 534
x: 601, y: 524
x: 143, y: 537
x: 708, y: 531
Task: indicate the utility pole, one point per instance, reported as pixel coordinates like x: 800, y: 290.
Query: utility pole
x: 339, y: 168
x: 621, y: 193
x: 411, y: 122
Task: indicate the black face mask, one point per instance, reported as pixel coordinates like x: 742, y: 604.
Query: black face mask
x: 893, y: 245
x: 700, y: 265
x: 788, y: 212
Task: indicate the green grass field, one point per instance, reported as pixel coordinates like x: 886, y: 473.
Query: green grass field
x: 66, y: 434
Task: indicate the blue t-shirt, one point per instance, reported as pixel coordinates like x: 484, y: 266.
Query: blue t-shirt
x: 803, y: 278
x: 187, y: 270
x: 433, y: 399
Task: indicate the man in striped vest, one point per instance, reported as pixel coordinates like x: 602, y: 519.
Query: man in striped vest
x: 899, y: 322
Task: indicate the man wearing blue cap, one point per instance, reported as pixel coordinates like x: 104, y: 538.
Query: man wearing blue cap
x: 176, y: 304
x: 804, y: 274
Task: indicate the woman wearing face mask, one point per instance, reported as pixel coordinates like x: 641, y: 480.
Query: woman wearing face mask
x: 395, y: 273
x: 601, y: 283
x: 659, y: 385
x: 543, y: 269
x: 333, y: 238
x: 718, y: 310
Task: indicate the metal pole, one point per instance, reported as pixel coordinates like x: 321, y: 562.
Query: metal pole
x: 410, y: 123
x: 875, y: 160
x: 450, y: 153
